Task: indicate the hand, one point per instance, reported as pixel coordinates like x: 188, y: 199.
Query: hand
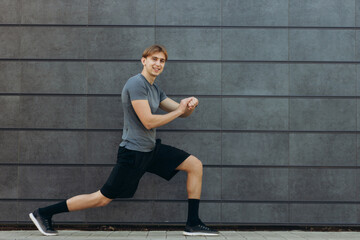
x: 183, y: 106
x: 192, y: 103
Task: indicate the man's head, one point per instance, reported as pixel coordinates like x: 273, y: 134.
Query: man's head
x: 153, y: 60
x: 155, y: 49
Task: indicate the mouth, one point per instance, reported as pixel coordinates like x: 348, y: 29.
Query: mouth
x: 156, y: 69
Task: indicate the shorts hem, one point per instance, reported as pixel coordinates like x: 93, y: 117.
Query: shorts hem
x: 110, y: 196
x: 106, y: 194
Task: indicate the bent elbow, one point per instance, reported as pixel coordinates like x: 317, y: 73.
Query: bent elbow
x: 147, y: 123
x: 148, y: 126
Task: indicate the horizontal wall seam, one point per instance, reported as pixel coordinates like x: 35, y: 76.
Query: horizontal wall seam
x: 180, y: 26
x: 202, y: 200
x: 84, y: 165
x: 184, y: 130
x: 179, y: 95
x: 250, y: 225
x: 175, y: 61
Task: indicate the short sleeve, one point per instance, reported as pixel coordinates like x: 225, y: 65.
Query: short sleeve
x: 137, y: 90
x: 162, y: 95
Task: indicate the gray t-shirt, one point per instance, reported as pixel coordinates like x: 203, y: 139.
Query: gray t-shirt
x: 135, y: 135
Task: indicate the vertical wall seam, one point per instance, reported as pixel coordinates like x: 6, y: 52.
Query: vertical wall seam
x: 357, y: 112
x: 289, y: 109
x: 18, y: 178
x: 155, y: 24
x: 87, y: 107
x: 221, y: 116
x: 19, y: 109
x: 155, y: 42
x: 87, y: 65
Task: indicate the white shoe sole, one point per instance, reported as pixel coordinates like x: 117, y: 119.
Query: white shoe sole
x: 33, y: 219
x: 200, y: 234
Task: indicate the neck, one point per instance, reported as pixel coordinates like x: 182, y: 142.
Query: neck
x: 148, y: 77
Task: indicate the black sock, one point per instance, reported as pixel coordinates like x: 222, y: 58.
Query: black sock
x: 193, y: 212
x: 49, y: 211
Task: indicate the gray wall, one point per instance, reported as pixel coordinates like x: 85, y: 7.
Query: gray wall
x: 277, y: 126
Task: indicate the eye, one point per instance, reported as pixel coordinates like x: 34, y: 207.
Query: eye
x: 162, y: 61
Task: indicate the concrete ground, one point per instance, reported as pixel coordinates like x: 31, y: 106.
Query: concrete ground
x: 176, y: 235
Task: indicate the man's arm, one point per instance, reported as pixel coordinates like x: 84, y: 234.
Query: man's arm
x: 170, y: 105
x: 149, y: 120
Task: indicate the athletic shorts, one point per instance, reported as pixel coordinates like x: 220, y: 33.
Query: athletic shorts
x: 131, y: 166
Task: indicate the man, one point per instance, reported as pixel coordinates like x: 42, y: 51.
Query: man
x: 139, y: 152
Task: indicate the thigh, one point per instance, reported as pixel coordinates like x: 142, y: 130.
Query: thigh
x: 124, y: 177
x: 192, y: 163
x: 166, y: 160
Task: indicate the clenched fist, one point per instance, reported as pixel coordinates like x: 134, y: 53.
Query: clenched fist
x: 192, y: 103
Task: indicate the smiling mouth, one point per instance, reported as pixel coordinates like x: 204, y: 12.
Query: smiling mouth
x: 157, y: 69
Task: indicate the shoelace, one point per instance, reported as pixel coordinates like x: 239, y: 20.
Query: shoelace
x: 48, y: 223
x: 204, y: 227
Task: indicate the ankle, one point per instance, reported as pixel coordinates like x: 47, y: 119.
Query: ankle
x: 44, y: 215
x: 193, y: 222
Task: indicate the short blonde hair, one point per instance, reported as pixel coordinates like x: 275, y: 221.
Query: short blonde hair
x: 155, y: 49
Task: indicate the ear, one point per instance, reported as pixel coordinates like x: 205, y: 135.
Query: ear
x: 143, y: 60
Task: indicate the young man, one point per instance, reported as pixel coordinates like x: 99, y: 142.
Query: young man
x: 139, y: 152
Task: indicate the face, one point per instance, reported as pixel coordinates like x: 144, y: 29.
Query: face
x: 154, y: 64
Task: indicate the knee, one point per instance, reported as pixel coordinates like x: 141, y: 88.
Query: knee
x: 102, y: 200
x: 196, y: 166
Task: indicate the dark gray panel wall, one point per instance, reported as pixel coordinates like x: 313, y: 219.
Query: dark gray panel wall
x: 276, y: 129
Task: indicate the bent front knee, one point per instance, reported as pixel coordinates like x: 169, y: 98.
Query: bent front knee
x: 197, y: 166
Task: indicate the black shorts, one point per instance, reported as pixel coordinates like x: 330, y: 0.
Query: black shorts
x: 132, y: 165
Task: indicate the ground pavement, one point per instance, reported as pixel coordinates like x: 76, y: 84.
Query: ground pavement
x: 177, y: 235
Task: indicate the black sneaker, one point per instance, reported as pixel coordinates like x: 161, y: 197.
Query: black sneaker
x: 43, y: 224
x: 200, y: 230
